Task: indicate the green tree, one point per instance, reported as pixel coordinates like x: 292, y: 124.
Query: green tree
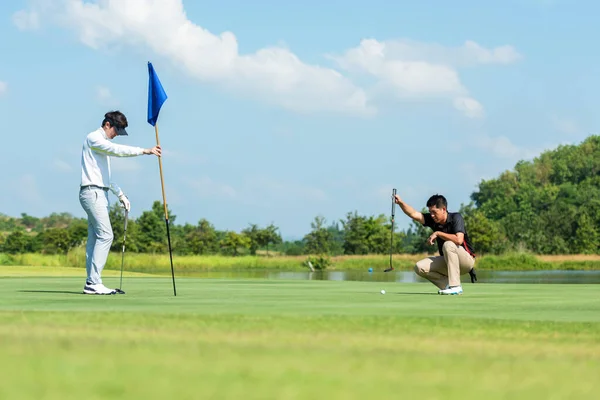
x: 78, y: 231
x: 486, y: 235
x: 366, y: 235
x: 7, y: 224
x: 28, y: 221
x: 55, y: 241
x: 418, y: 239
x: 117, y: 220
x: 319, y: 239
x: 255, y: 237
x: 355, y: 234
x: 203, y: 238
x: 270, y: 235
x: 151, y: 232
x: 550, y: 205
x: 587, y: 239
x: 337, y: 238
x: 292, y: 248
x: 233, y: 242
x: 16, y: 242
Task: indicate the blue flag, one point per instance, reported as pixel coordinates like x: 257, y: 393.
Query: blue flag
x: 156, y: 95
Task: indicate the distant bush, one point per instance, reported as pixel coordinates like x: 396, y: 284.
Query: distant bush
x: 319, y: 262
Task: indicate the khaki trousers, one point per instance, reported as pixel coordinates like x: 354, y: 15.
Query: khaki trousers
x: 446, y: 270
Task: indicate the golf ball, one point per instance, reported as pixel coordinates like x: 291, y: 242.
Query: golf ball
x: 382, y: 291
x: 370, y: 269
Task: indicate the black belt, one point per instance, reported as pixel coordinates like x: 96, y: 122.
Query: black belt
x: 95, y: 186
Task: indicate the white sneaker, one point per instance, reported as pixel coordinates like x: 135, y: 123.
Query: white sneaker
x: 451, y: 290
x: 97, y: 289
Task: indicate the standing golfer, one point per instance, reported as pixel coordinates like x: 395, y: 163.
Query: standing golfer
x: 93, y: 193
x: 457, y: 256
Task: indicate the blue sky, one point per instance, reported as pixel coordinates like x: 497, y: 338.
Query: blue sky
x: 281, y: 112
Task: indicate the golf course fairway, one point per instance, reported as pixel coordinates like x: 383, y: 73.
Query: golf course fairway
x: 278, y: 339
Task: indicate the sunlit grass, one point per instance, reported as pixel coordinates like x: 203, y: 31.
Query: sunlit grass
x: 237, y: 339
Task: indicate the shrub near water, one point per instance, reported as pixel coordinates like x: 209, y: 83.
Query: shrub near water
x: 522, y: 261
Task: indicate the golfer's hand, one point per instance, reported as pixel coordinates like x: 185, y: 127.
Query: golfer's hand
x: 156, y: 150
x: 125, y: 201
x: 432, y: 238
x: 397, y: 199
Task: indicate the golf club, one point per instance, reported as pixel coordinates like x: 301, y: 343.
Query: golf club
x: 391, y: 267
x: 119, y: 290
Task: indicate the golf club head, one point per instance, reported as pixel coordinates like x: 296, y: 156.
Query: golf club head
x: 119, y: 291
x: 388, y: 269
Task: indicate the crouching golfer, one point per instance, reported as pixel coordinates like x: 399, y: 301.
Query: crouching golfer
x: 457, y: 256
x: 93, y: 193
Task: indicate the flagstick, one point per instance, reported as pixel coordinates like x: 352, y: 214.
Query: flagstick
x: 162, y: 181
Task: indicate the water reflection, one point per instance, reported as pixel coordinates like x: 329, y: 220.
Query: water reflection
x: 575, y: 277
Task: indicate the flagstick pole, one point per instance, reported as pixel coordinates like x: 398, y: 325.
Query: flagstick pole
x: 162, y: 182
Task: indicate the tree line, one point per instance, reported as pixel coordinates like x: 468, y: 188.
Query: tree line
x: 549, y: 205
x: 59, y: 233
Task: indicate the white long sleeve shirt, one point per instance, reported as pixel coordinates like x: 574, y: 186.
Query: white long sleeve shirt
x: 95, y: 160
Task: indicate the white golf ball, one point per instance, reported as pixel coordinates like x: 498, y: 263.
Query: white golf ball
x: 382, y: 291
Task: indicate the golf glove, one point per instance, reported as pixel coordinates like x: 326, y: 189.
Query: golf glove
x: 125, y: 201
x: 473, y: 275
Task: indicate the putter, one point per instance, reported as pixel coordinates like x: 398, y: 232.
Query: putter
x: 391, y: 267
x: 119, y: 290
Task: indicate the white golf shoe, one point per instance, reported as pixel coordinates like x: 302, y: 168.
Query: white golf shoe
x: 451, y: 290
x: 98, y: 289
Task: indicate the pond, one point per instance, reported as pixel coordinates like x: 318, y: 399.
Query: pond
x: 573, y: 277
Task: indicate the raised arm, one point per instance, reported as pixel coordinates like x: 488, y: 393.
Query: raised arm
x: 105, y: 146
x: 408, y: 210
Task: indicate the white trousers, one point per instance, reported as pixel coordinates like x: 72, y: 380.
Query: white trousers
x: 100, y: 235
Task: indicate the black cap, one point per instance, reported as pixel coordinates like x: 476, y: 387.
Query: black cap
x: 121, y: 131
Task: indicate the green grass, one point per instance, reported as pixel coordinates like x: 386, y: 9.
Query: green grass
x: 28, y: 271
x: 260, y: 339
x: 187, y: 265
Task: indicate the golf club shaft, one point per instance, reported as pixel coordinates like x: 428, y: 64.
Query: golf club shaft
x: 391, y: 267
x: 123, y: 252
x: 392, y: 231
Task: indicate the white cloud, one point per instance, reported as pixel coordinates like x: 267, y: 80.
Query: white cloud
x: 205, y: 187
x: 421, y: 70
x: 27, y: 190
x: 566, y: 125
x: 410, y: 51
x: 255, y: 190
x: 470, y: 107
x: 408, y: 69
x: 473, y: 173
x: 502, y: 147
x: 473, y: 53
x: 384, y: 191
x: 3, y: 87
x: 61, y: 165
x: 184, y: 158
x: 271, y: 190
x: 26, y: 20
x: 273, y: 73
x: 105, y: 97
x: 103, y: 93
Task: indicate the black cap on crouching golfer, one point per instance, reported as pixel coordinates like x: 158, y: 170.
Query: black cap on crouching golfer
x: 117, y: 120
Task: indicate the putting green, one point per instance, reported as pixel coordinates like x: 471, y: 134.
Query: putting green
x: 260, y: 339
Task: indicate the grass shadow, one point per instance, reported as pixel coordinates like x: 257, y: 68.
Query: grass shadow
x: 50, y: 291
x: 411, y: 293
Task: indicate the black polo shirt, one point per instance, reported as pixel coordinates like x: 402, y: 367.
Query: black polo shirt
x: 454, y: 224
